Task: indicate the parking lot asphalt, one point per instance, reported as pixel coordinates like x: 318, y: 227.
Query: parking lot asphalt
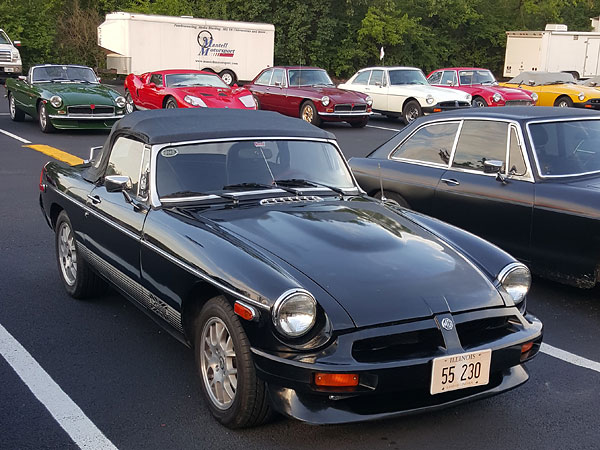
x: 136, y: 385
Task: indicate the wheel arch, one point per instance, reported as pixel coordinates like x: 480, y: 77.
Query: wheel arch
x: 166, y: 99
x: 55, y: 210
x: 198, y: 295
x: 408, y: 99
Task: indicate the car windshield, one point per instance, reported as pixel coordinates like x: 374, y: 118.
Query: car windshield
x: 219, y: 167
x: 566, y: 148
x: 542, y: 78
x: 64, y: 74
x: 411, y: 76
x: 194, y: 79
x: 309, y: 77
x: 470, y: 77
x: 4, y: 38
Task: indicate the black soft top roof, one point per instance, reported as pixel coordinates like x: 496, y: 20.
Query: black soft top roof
x: 163, y: 126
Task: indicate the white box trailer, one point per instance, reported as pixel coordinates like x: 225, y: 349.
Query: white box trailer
x: 144, y: 43
x: 553, y: 50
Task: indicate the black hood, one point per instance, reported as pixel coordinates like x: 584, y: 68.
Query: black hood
x: 377, y: 264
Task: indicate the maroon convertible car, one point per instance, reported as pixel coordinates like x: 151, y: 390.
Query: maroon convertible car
x: 309, y: 93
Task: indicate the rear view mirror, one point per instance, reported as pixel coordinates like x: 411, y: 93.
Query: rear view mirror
x: 22, y: 78
x: 449, y: 83
x: 117, y: 183
x: 531, y: 82
x: 492, y: 166
x: 92, y: 153
x: 17, y: 43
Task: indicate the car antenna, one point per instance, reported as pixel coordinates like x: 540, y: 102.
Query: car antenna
x: 383, y: 199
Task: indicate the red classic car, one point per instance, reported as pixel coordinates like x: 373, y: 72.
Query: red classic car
x: 183, y: 89
x: 482, y: 86
x: 309, y: 93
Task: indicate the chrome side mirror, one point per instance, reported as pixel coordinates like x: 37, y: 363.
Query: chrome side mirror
x: 117, y: 183
x: 492, y: 165
x: 92, y: 156
x: 22, y: 78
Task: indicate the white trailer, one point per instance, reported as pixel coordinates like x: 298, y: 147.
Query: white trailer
x: 142, y: 43
x: 553, y: 50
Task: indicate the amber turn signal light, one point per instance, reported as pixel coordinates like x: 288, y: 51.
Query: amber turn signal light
x: 526, y: 347
x: 243, y: 311
x: 336, y: 379
x: 437, y: 110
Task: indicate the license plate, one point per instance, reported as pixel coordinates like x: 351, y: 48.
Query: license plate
x: 461, y: 371
x: 9, y: 69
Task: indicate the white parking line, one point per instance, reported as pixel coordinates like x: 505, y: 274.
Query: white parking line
x: 64, y: 410
x: 4, y: 114
x: 14, y: 136
x: 570, y: 357
x: 382, y: 128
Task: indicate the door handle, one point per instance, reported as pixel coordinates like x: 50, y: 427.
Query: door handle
x: 94, y: 198
x: 450, y: 181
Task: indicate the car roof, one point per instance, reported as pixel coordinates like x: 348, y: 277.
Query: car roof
x: 296, y: 67
x: 176, y: 71
x: 161, y: 126
x: 390, y: 68
x: 461, y: 68
x: 519, y: 113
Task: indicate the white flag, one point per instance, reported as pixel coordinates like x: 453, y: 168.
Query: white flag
x: 381, y: 53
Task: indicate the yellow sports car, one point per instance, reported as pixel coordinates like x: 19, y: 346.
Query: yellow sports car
x: 556, y: 89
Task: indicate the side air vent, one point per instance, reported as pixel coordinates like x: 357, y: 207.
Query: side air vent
x: 298, y: 199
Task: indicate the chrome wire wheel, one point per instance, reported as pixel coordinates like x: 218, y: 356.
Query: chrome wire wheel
x: 218, y: 363
x: 43, y: 118
x: 308, y: 114
x: 13, y: 107
x: 412, y: 114
x: 67, y: 254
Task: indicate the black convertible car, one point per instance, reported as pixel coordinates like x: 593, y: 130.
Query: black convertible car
x: 527, y: 179
x: 254, y: 245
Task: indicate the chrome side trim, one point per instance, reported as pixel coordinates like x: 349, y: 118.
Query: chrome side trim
x: 200, y: 274
x: 258, y: 191
x: 189, y: 199
x: 346, y: 114
x: 135, y: 290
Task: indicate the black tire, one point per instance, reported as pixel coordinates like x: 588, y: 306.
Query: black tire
x: 250, y: 403
x: 171, y: 103
x: 130, y: 107
x: 411, y: 111
x: 257, y: 101
x: 15, y: 113
x: 361, y: 123
x: 394, y: 198
x: 44, y: 120
x: 478, y: 102
x: 308, y: 113
x: 563, y: 102
x: 228, y: 77
x: 82, y: 282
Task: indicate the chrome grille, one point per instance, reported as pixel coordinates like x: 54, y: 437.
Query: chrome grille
x: 350, y: 108
x: 87, y: 110
x: 454, y: 104
x: 5, y: 55
x: 517, y: 103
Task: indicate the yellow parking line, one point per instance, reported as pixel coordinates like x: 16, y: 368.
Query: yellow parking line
x: 56, y: 154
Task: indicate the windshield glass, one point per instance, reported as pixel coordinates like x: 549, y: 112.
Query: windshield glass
x: 212, y: 168
x: 64, y: 73
x: 469, y: 77
x: 412, y: 76
x: 4, y: 38
x: 566, y: 148
x: 194, y: 79
x: 542, y: 78
x: 309, y: 77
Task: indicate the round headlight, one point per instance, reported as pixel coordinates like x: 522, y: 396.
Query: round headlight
x: 534, y: 96
x: 120, y: 101
x: 515, y: 278
x: 497, y: 97
x: 581, y: 96
x: 430, y: 99
x: 369, y: 100
x: 56, y: 101
x: 295, y: 313
x: 325, y: 100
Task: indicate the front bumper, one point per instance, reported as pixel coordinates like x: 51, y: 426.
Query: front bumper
x: 593, y: 103
x: 84, y: 121
x: 445, y: 106
x: 344, y: 116
x: 389, y: 388
x: 8, y: 70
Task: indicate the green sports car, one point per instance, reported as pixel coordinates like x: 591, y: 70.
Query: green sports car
x: 64, y: 97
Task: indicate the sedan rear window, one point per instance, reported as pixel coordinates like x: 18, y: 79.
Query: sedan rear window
x: 566, y: 148
x: 431, y: 144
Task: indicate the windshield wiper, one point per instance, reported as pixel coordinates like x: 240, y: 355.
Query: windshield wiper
x: 258, y: 185
x: 303, y: 182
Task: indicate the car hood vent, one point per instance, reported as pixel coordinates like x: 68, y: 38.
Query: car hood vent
x: 297, y: 199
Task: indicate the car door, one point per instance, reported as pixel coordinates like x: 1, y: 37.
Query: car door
x: 472, y: 197
x: 114, y: 224
x: 377, y: 88
x: 26, y: 95
x: 275, y: 94
x: 150, y: 95
x: 416, y: 166
x: 259, y: 89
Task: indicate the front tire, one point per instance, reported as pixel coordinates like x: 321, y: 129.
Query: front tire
x: 130, y: 107
x: 15, y: 113
x: 411, y: 111
x: 563, y: 102
x: 78, y: 278
x: 44, y: 120
x: 393, y: 198
x: 478, y: 102
x: 308, y: 113
x: 171, y: 103
x: 236, y: 397
x: 361, y: 123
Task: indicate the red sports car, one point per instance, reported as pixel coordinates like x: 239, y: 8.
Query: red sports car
x: 309, y: 93
x: 183, y: 89
x: 482, y: 86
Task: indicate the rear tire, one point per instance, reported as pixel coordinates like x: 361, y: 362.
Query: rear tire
x: 44, y: 120
x: 411, y: 111
x: 79, y: 279
x: 228, y: 77
x: 235, y: 395
x: 308, y: 113
x: 15, y: 113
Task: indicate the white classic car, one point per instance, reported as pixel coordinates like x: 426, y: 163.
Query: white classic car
x: 404, y: 91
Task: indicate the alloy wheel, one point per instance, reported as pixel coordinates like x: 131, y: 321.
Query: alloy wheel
x: 67, y: 253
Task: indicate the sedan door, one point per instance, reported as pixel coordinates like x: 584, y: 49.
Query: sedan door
x: 495, y: 206
x: 114, y: 224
